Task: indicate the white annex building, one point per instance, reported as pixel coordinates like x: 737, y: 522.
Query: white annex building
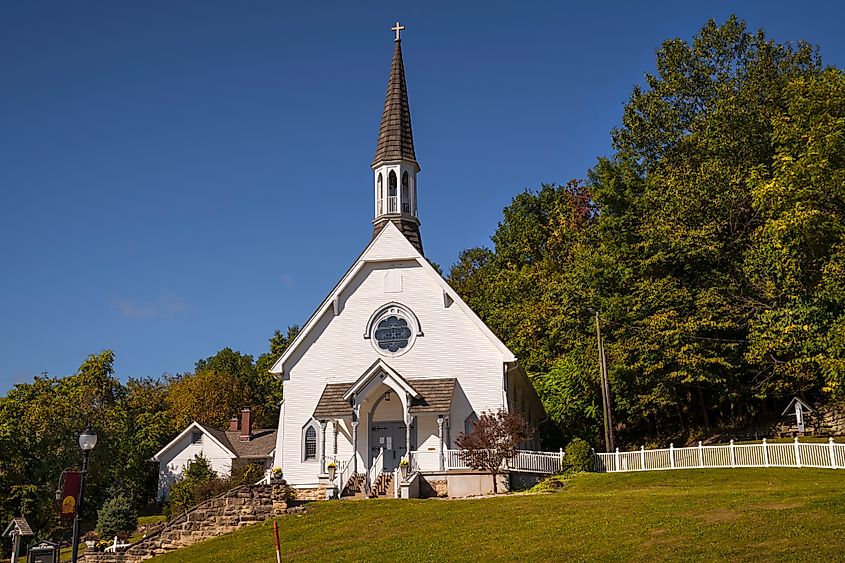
x: 393, y: 364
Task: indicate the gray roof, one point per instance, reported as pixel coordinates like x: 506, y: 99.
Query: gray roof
x: 395, y: 138
x: 20, y: 524
x: 435, y: 396
x: 260, y: 446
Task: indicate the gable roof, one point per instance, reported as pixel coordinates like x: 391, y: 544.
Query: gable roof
x: 790, y: 408
x: 432, y: 396
x: 391, y: 236
x: 20, y: 526
x: 262, y: 443
x: 210, y: 432
x: 372, y: 371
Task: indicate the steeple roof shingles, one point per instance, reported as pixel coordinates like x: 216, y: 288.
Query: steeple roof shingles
x: 395, y: 137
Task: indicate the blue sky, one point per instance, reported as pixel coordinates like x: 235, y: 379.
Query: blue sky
x: 177, y: 177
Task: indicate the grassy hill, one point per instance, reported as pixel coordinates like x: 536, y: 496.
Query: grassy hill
x: 736, y: 514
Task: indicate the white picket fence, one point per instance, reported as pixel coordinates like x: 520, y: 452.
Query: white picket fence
x: 828, y: 455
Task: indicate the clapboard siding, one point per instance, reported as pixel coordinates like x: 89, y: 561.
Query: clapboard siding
x: 173, y: 462
x: 333, y: 349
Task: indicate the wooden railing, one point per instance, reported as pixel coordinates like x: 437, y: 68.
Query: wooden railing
x: 795, y: 454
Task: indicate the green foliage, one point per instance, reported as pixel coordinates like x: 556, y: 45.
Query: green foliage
x: 117, y: 517
x: 712, y: 242
x: 196, y: 484
x: 247, y: 474
x: 530, y: 291
x: 41, y: 420
x: 579, y: 456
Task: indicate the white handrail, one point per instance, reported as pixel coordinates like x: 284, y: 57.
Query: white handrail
x: 115, y: 546
x: 345, y: 474
x: 375, y: 470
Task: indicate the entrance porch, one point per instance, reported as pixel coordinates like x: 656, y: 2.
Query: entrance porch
x: 399, y: 416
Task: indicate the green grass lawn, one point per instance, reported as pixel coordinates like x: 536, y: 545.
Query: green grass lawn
x: 718, y: 514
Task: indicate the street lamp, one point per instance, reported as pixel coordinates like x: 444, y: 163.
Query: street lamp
x: 87, y: 441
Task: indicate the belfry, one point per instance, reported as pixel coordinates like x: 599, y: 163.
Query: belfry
x: 395, y: 165
x: 393, y: 365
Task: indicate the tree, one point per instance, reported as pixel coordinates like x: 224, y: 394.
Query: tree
x: 710, y: 241
x: 117, y: 517
x: 208, y: 397
x: 494, y: 439
x: 677, y: 223
x: 530, y: 291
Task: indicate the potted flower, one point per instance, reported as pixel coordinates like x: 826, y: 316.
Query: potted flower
x: 332, y: 468
x: 90, y: 539
x: 404, y: 464
x: 276, y: 475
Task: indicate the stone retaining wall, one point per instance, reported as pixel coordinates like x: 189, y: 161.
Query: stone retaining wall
x: 225, y: 513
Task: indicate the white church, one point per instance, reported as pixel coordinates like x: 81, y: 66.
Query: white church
x: 392, y: 365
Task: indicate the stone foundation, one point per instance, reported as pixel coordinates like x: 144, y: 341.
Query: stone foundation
x: 311, y: 493
x: 225, y: 513
x: 433, y: 487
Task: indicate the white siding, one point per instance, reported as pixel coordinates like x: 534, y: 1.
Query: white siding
x: 335, y: 351
x: 172, y: 464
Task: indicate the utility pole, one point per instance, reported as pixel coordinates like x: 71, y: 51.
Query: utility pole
x: 605, y: 389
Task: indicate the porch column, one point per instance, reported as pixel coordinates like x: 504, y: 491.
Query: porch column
x: 440, y: 436
x: 335, y: 429
x: 408, y: 436
x: 323, y: 447
x: 355, y: 447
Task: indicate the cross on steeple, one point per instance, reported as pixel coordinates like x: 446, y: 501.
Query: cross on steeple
x: 397, y: 28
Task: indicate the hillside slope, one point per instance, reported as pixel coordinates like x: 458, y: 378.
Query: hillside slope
x: 736, y: 514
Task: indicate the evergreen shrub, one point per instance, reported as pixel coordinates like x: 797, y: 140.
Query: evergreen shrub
x: 579, y: 456
x: 117, y: 517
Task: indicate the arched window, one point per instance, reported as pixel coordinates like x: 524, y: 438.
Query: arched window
x: 391, y: 192
x: 380, y: 196
x: 406, y: 201
x: 310, y: 446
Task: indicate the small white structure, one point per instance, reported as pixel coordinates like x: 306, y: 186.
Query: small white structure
x: 17, y: 529
x: 393, y: 364
x: 240, y: 445
x: 797, y: 408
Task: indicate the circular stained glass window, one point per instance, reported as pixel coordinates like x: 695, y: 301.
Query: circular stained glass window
x: 393, y: 330
x: 392, y: 334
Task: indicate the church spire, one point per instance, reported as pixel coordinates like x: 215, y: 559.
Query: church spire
x: 395, y: 165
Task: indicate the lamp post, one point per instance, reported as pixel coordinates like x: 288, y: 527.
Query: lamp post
x: 87, y: 441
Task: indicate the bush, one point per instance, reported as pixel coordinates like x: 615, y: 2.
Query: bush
x: 247, y: 475
x: 117, y: 517
x: 579, y: 456
x: 198, y: 483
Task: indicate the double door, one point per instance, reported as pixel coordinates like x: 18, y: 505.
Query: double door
x: 391, y: 437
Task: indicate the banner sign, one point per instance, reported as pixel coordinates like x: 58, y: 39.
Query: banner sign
x: 70, y: 494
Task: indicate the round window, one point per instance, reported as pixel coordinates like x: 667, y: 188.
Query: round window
x: 393, y: 330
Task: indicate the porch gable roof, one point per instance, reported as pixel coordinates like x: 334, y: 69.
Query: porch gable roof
x: 372, y: 371
x: 433, y: 396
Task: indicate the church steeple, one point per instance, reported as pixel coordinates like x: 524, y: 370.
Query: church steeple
x: 395, y: 165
